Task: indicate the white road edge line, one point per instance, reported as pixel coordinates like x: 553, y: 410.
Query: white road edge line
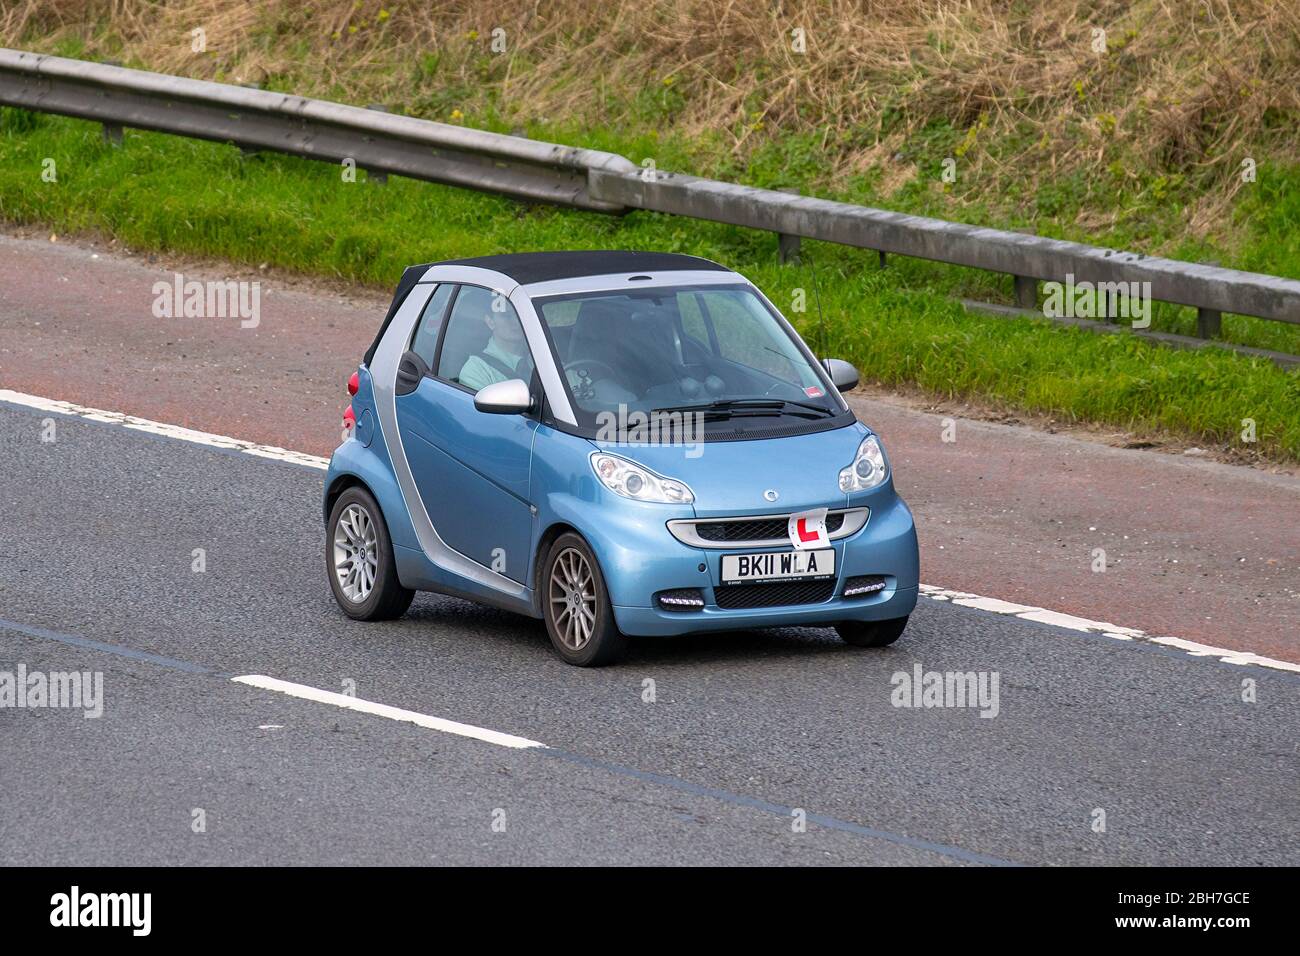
x: 1057, y: 619
x: 384, y: 710
x: 961, y: 598
x: 158, y: 428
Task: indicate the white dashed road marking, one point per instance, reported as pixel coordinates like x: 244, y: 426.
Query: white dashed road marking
x: 384, y: 710
x: 961, y: 598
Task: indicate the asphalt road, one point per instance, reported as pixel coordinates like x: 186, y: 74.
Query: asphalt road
x: 96, y: 546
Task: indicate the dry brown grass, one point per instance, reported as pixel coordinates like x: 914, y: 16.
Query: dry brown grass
x: 1187, y: 86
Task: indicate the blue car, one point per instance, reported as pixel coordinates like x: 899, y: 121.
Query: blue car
x: 618, y: 443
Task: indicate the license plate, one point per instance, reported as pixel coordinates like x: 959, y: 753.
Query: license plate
x: 777, y: 566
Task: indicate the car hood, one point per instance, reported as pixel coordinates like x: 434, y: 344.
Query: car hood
x: 732, y: 477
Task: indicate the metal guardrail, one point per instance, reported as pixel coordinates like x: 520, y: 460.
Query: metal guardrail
x: 589, y: 179
x: 996, y: 250
x: 316, y: 129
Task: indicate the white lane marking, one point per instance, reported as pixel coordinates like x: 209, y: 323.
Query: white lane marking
x: 1073, y: 623
x: 158, y: 428
x: 962, y: 598
x: 384, y: 710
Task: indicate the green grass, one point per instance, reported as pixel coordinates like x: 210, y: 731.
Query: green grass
x: 899, y: 325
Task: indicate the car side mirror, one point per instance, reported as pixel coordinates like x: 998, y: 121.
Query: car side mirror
x: 510, y: 397
x: 843, y: 375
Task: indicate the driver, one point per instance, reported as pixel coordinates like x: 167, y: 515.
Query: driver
x: 504, y: 357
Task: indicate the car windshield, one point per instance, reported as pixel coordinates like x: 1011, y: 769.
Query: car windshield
x: 714, y: 349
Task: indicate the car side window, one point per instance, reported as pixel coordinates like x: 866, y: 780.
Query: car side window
x: 484, y: 342
x: 424, y: 342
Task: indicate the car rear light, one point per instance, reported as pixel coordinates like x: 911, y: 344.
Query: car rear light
x: 349, y: 416
x: 863, y: 586
x: 681, y: 599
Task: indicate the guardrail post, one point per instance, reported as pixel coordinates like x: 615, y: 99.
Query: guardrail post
x: 111, y: 132
x: 1209, y: 322
x: 787, y: 247
x: 374, y: 175
x: 1026, y: 290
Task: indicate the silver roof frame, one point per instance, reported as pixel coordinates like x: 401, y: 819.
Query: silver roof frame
x: 624, y: 280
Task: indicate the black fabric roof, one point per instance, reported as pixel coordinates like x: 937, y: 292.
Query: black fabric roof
x: 529, y: 267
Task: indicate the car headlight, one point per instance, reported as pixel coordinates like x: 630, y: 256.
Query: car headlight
x: 640, y: 484
x: 868, y: 468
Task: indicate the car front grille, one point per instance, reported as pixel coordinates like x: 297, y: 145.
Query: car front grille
x: 761, y: 529
x: 776, y: 594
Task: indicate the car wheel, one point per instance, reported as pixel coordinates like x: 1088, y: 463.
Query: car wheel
x: 579, y: 618
x: 871, y: 633
x: 359, y: 557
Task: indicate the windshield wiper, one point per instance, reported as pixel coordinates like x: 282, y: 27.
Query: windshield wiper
x: 729, y: 407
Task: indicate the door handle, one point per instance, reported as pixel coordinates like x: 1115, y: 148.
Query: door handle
x: 411, y: 369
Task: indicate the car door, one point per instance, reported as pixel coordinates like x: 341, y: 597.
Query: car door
x: 471, y: 468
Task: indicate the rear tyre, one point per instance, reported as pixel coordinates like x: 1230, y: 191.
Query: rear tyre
x: 871, y: 633
x: 576, y: 606
x: 359, y: 559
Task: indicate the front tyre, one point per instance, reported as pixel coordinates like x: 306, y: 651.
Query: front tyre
x: 871, y: 633
x: 359, y: 558
x: 576, y: 606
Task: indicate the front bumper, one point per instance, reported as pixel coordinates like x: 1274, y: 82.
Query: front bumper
x: 886, y: 547
x: 886, y: 605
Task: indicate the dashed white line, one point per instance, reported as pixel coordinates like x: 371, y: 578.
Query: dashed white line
x: 963, y: 599
x: 384, y: 710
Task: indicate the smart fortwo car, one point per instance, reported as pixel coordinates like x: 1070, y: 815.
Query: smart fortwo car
x: 618, y: 443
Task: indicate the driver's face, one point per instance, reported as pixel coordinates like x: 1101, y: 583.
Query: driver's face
x: 506, y: 330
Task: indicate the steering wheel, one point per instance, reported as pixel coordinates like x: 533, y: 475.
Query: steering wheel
x: 583, y: 383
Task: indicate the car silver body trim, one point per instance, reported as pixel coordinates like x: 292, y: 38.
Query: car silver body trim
x: 383, y: 373
x: 684, y: 529
x: 624, y: 280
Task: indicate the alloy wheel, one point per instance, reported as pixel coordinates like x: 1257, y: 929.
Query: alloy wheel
x: 356, y: 553
x: 573, y: 598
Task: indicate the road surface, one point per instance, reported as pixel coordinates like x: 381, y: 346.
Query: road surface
x: 744, y: 729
